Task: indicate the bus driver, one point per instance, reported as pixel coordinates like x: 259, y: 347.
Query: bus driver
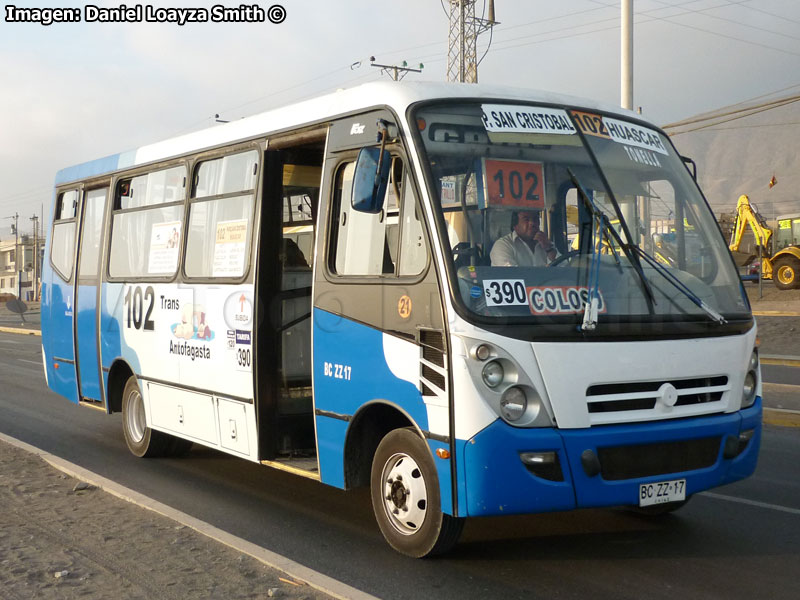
x: 525, y: 246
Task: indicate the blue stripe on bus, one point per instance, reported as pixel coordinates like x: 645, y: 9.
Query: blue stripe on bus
x: 56, y: 317
x: 350, y: 370
x: 89, y: 169
x: 499, y: 483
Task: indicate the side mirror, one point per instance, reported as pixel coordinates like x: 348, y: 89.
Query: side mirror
x: 370, y: 180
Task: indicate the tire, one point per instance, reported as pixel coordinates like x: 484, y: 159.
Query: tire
x: 404, y: 486
x: 786, y: 273
x: 657, y: 510
x: 141, y: 440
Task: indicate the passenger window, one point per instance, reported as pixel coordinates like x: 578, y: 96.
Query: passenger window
x: 221, y: 217
x: 62, y: 246
x: 147, y: 224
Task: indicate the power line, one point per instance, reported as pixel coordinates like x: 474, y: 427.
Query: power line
x: 714, y: 128
x: 755, y: 112
x: 718, y: 114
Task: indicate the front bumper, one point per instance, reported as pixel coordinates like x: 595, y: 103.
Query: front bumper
x: 703, y: 450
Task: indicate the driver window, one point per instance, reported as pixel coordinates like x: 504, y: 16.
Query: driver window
x: 389, y: 243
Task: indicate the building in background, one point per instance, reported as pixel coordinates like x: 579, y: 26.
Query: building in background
x: 21, y: 279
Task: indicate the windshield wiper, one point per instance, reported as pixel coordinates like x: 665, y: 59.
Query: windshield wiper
x: 678, y: 284
x: 590, y: 314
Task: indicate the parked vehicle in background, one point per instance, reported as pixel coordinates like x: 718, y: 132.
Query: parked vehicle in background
x: 783, y: 267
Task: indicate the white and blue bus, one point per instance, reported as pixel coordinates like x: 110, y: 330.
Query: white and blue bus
x: 314, y: 289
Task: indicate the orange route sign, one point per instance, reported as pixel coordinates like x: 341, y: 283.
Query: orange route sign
x: 518, y: 184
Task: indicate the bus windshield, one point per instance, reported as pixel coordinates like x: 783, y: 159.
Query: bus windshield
x: 545, y: 208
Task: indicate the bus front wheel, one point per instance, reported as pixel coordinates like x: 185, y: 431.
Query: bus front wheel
x: 406, y: 499
x: 141, y: 440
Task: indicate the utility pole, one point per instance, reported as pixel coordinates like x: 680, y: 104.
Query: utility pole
x: 626, y: 55
x: 396, y: 72
x: 35, y: 256
x: 15, y: 227
x: 462, y: 53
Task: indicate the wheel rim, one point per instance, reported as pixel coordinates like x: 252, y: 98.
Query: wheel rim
x: 405, y: 496
x: 786, y: 275
x: 134, y: 416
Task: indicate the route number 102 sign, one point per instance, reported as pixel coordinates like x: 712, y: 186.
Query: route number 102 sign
x: 518, y: 184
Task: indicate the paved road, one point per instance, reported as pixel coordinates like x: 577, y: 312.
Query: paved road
x: 742, y: 541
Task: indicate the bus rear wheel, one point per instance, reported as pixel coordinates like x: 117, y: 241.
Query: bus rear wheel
x: 405, y: 497
x: 786, y: 273
x: 141, y: 440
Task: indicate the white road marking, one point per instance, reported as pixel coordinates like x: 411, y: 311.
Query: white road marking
x: 38, y: 363
x: 786, y: 509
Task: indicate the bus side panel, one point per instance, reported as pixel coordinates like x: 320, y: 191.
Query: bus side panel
x: 352, y: 369
x: 56, y: 316
x: 181, y: 334
x: 445, y: 475
x: 111, y: 322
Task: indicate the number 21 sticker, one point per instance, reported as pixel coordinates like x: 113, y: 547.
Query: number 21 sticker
x: 505, y: 292
x: 404, y: 306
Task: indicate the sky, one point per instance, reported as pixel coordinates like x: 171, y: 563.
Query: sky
x: 72, y: 92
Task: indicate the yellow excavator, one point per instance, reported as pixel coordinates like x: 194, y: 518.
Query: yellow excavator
x: 783, y: 267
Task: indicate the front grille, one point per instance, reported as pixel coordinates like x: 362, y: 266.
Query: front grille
x: 633, y: 387
x: 631, y: 462
x: 644, y: 395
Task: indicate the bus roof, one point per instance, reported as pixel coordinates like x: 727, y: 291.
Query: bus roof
x: 397, y: 95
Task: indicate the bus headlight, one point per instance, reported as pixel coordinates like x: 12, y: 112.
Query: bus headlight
x: 753, y: 361
x: 749, y: 389
x: 513, y: 403
x: 493, y: 374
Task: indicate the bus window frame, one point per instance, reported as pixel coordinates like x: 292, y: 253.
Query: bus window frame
x: 330, y: 240
x: 258, y: 147
x: 109, y: 228
x: 77, y: 188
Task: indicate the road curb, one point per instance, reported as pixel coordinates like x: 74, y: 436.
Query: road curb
x: 295, y: 570
x: 21, y: 330
x: 781, y: 417
x: 776, y: 313
x: 775, y: 359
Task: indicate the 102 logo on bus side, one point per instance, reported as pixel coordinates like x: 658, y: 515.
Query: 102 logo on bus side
x: 135, y: 301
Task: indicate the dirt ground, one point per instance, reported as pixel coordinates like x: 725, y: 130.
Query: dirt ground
x: 61, y: 542
x: 777, y: 334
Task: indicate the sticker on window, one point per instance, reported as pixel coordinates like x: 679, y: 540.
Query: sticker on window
x: 622, y: 132
x: 510, y: 118
x: 631, y: 134
x: 229, y: 248
x: 164, y: 243
x: 449, y: 193
x: 561, y: 300
x: 505, y: 292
